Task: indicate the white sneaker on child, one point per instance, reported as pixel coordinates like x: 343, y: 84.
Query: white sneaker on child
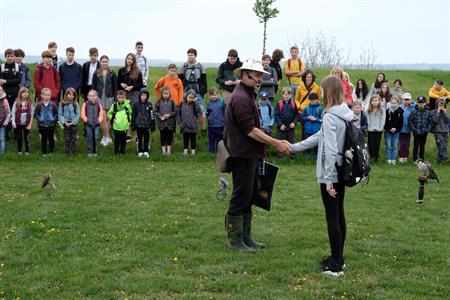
x: 140, y: 154
x: 103, y: 141
x: 146, y: 154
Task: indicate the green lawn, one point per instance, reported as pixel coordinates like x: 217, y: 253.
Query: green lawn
x: 119, y: 228
x: 124, y: 227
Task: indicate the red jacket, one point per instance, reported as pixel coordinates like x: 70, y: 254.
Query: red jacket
x: 46, y: 78
x: 348, y: 93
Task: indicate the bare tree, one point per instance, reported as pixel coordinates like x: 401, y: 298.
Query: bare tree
x: 321, y: 51
x: 264, y: 12
x: 367, y: 58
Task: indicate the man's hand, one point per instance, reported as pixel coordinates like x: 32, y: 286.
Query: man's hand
x: 229, y: 82
x: 283, y: 147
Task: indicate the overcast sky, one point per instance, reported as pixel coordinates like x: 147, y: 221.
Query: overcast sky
x: 401, y: 31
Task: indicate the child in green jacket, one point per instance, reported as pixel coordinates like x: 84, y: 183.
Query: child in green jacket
x: 120, y: 116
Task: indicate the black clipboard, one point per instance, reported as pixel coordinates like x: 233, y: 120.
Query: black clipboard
x: 264, y: 186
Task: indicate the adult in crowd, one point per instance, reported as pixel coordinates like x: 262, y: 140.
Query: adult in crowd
x: 277, y: 56
x: 225, y: 74
x: 71, y: 73
x: 89, y: 68
x: 193, y: 76
x: 294, y: 68
x: 245, y: 142
x: 104, y: 82
x: 331, y: 139
x: 129, y: 78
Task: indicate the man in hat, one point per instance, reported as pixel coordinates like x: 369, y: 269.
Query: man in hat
x: 245, y: 142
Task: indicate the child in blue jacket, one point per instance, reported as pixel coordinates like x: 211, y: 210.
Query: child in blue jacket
x: 266, y: 112
x: 312, y: 116
x: 46, y: 115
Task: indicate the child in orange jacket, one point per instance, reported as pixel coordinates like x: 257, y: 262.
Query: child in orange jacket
x: 92, y: 116
x: 174, y: 83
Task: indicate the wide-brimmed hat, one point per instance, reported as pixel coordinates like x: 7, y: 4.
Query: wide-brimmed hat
x: 250, y: 65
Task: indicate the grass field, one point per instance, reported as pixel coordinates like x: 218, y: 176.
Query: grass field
x: 128, y: 228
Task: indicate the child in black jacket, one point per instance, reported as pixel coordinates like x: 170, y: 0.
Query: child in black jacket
x: 143, y: 121
x: 392, y: 126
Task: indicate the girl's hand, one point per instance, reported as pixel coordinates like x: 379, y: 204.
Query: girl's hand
x: 331, y: 191
x: 29, y: 127
x: 14, y: 126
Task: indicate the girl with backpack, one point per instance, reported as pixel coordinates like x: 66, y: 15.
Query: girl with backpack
x: 22, y: 119
x: 5, y: 114
x: 46, y: 114
x: 165, y: 113
x: 330, y: 141
x: 188, y: 114
x: 92, y: 116
x: 69, y: 115
x: 376, y: 118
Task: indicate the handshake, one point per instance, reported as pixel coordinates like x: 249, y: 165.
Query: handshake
x: 283, y: 147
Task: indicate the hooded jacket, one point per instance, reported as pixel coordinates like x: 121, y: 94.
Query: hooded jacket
x: 50, y: 79
x: 188, y: 116
x: 407, y: 110
x: 440, y: 121
x: 225, y: 72
x: 315, y: 111
x: 420, y: 121
x: 120, y: 115
x: 143, y: 112
x: 330, y: 141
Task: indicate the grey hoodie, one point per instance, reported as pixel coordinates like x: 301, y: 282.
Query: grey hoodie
x: 330, y: 141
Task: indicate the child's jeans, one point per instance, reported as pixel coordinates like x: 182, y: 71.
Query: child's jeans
x: 441, y: 145
x: 2, y: 139
x: 391, y: 140
x: 92, y: 138
x: 215, y: 134
x: 403, y: 144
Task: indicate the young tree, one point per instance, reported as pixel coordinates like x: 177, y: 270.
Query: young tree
x: 264, y: 13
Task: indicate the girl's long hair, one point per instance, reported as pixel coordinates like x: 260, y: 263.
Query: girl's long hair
x: 66, y: 98
x: 134, y: 72
x: 99, y: 70
x: 332, y: 91
x: 19, y: 96
x: 371, y: 107
x: 361, y: 93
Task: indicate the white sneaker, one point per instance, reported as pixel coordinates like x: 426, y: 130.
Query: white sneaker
x: 90, y: 155
x: 393, y: 162
x: 140, y: 154
x: 146, y: 154
x: 109, y: 141
x: 103, y: 141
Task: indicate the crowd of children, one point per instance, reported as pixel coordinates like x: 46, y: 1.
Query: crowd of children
x: 122, y: 104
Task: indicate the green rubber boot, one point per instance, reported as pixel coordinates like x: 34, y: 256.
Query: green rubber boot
x: 233, y: 225
x: 247, y: 233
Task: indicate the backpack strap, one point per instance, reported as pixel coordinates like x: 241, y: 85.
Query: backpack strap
x: 306, y: 96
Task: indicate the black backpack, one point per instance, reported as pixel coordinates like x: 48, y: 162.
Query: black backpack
x: 355, y: 166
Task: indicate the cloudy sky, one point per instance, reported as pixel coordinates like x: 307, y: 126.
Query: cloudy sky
x: 401, y: 31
